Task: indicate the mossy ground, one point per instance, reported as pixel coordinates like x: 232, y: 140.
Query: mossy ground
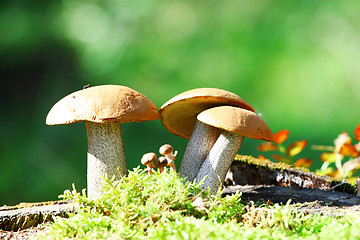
x: 161, y: 206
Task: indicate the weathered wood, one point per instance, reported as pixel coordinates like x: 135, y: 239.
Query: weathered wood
x: 249, y: 170
x: 279, y: 194
x: 29, y: 215
x: 312, y: 200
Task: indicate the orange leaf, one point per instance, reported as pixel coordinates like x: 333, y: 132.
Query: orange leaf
x: 342, y: 139
x: 349, y: 150
x: 281, y: 136
x: 267, y: 146
x: 281, y: 158
x: 296, y: 147
x: 328, y: 157
x: 303, y: 162
x: 357, y: 133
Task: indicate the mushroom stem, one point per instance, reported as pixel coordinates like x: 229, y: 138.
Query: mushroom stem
x: 219, y: 160
x: 201, y: 141
x: 149, y: 169
x: 106, y: 156
x: 161, y: 163
x: 171, y: 158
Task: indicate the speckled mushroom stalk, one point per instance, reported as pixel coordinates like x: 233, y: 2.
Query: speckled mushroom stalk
x: 219, y: 160
x: 201, y: 141
x: 236, y: 124
x: 105, y: 156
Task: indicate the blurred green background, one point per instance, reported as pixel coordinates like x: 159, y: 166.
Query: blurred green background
x: 296, y: 62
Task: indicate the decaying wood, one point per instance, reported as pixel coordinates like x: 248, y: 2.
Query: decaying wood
x: 28, y: 215
x: 249, y: 170
x: 279, y: 194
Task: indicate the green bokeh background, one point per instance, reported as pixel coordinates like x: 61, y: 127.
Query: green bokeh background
x: 296, y: 62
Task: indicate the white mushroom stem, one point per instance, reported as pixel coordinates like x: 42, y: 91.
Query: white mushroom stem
x: 106, y: 156
x: 150, y: 168
x: 201, y: 141
x: 171, y: 158
x: 219, y: 160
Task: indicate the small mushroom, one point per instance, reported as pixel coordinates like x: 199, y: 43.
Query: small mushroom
x: 161, y: 163
x: 103, y: 108
x: 179, y: 114
x: 237, y: 123
x: 168, y: 151
x: 148, y: 160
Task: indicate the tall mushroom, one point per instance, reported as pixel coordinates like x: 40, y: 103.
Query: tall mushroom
x: 236, y: 124
x: 179, y: 114
x: 103, y: 108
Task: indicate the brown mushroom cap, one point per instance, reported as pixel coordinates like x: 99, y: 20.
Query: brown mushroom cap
x: 148, y: 158
x: 178, y: 114
x: 103, y: 104
x: 161, y: 162
x: 237, y: 120
x: 166, y: 149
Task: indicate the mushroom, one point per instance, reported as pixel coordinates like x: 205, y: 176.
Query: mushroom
x: 178, y: 115
x: 148, y: 160
x: 161, y: 163
x: 236, y: 124
x: 103, y: 108
x: 168, y: 151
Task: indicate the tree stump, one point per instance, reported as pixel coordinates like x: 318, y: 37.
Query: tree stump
x: 27, y: 215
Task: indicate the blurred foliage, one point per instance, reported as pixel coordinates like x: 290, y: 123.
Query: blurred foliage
x: 285, y: 154
x: 344, y: 155
x: 296, y: 62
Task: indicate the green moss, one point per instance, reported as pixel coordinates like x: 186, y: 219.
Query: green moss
x: 161, y: 206
x: 267, y: 163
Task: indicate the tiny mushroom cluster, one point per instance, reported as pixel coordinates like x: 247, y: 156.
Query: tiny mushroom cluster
x: 214, y: 121
x: 167, y: 159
